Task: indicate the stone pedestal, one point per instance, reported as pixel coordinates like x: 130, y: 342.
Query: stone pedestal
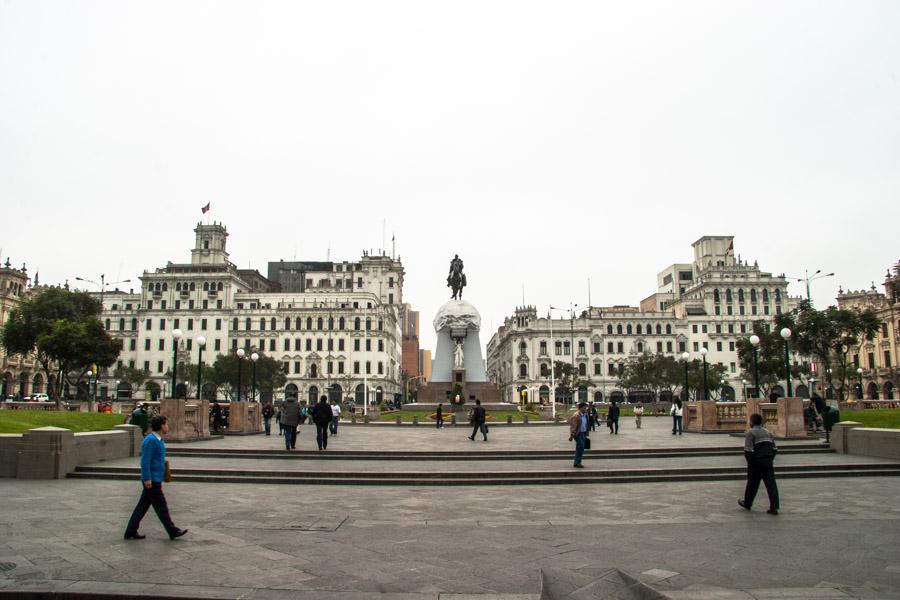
x: 244, y: 417
x: 188, y: 419
x: 790, y: 418
x: 46, y: 453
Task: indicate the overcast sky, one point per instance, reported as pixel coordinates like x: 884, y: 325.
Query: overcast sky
x: 546, y: 143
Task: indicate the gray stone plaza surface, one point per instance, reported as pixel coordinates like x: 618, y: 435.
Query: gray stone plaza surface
x: 835, y: 538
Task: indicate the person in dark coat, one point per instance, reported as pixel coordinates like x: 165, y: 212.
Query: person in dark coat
x: 612, y: 418
x: 592, y: 416
x: 290, y: 418
x: 479, y: 417
x: 760, y: 450
x: 267, y: 413
x: 216, y: 412
x: 439, y: 420
x: 321, y: 416
x: 141, y: 418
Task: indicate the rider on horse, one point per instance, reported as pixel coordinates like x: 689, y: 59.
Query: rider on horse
x: 456, y: 279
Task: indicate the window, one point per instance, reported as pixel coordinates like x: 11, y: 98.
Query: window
x: 682, y: 346
x: 887, y: 359
x: 163, y: 305
x: 146, y: 366
x: 356, y: 367
x: 696, y: 347
x: 298, y: 344
x: 341, y: 323
x: 694, y: 328
x: 380, y: 368
x: 640, y: 346
x: 581, y: 349
x: 716, y: 297
x: 247, y: 324
x: 175, y: 325
x: 218, y: 344
x: 567, y: 349
x: 609, y: 330
x: 381, y: 345
x: 733, y: 367
x: 609, y: 347
x: 619, y: 329
x: 287, y: 344
x: 189, y: 344
x: 162, y: 344
x: 523, y: 371
x: 121, y: 324
x: 621, y: 347
x: 340, y: 367
x: 132, y: 344
x: 718, y: 310
x: 668, y: 346
x: 718, y: 346
x: 596, y: 347
x: 704, y: 328
x: 628, y: 329
x: 159, y: 366
x: 731, y: 346
x: 718, y: 328
x: 598, y: 370
x: 190, y: 324
x: 871, y: 360
x: 320, y: 323
x: 368, y: 345
x: 272, y: 324
x: 308, y: 344
x: 884, y: 330
x: 582, y: 369
x: 134, y: 324
x: 147, y: 344
x: 542, y: 347
x: 639, y: 330
x: 668, y: 329
x: 319, y: 345
x: 309, y: 323
x: 659, y: 347
x: 356, y: 345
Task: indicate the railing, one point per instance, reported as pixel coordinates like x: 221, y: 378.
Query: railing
x: 38, y: 406
x: 731, y: 412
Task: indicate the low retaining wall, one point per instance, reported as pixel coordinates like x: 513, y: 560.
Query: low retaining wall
x: 784, y: 417
x: 53, y: 452
x: 872, y: 441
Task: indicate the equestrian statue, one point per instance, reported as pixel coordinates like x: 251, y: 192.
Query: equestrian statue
x: 456, y: 279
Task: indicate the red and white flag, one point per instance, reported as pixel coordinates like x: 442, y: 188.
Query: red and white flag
x: 205, y: 209
x: 730, y: 246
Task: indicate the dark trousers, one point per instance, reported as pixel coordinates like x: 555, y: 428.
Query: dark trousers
x: 268, y: 424
x: 479, y: 427
x: 579, y: 447
x: 676, y: 424
x: 322, y: 435
x: 290, y: 436
x: 613, y: 425
x: 761, y: 470
x: 440, y: 421
x: 152, y: 497
x: 334, y: 424
x: 592, y: 423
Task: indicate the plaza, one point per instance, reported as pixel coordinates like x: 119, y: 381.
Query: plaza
x: 835, y: 538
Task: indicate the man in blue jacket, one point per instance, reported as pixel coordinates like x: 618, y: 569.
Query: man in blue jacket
x: 153, y: 467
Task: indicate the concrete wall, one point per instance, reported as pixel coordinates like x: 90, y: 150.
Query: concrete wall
x: 871, y: 441
x: 52, y: 452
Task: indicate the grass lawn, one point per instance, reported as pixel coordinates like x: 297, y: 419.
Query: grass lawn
x: 20, y: 421
x: 425, y: 416
x: 888, y: 418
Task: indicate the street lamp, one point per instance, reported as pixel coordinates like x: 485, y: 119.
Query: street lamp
x: 685, y: 356
x: 754, y: 341
x: 103, y: 283
x: 786, y: 335
x: 201, y: 342
x: 744, y: 385
x: 859, y: 372
x: 176, y: 335
x: 552, y: 366
x: 572, y: 307
x: 254, y: 357
x: 240, y: 354
x: 703, y: 352
x: 809, y: 278
x: 722, y: 395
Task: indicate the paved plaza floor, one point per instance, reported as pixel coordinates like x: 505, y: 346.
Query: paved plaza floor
x: 835, y: 538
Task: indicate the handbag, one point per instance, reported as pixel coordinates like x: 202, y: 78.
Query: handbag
x: 167, y: 474
x: 587, y: 443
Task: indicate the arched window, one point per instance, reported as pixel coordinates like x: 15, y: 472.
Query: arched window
x: 107, y: 324
x: 298, y: 323
x: 640, y: 347
x: 753, y: 295
x: 545, y: 370
x: 205, y: 286
x: 330, y: 323
x: 728, y: 296
x: 765, y: 295
x: 287, y: 323
x: 247, y: 324
x: 357, y: 323
x: 178, y: 287
x: 716, y: 297
x: 272, y: 324
x: 658, y: 329
x: 380, y: 325
x: 639, y: 329
x: 320, y: 323
x: 523, y: 347
x: 668, y: 329
x: 234, y: 324
x: 134, y: 324
x: 341, y: 323
x: 313, y: 371
x: 309, y: 323
x: 523, y: 370
x: 165, y: 287
x: 220, y: 286
x: 262, y: 323
x: 619, y: 329
x: 368, y: 324
x: 609, y: 330
x: 193, y: 286
x: 628, y: 328
x: 777, y: 295
x: 121, y: 324
x: 741, y: 295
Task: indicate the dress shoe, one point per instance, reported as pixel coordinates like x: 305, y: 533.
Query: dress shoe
x: 578, y: 466
x: 134, y: 536
x: 178, y: 533
x: 772, y: 511
x: 742, y: 505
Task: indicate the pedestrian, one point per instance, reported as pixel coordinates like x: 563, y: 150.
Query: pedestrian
x: 612, y: 418
x: 760, y: 451
x: 592, y: 416
x: 140, y: 417
x: 216, y: 412
x: 578, y: 431
x: 278, y: 420
x: 321, y: 416
x: 439, y: 420
x: 638, y: 413
x: 478, y: 419
x: 335, y: 416
x: 226, y: 414
x: 290, y: 418
x: 267, y: 413
x: 153, y: 469
x: 676, y: 412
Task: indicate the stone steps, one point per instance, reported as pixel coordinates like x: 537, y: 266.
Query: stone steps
x: 545, y: 477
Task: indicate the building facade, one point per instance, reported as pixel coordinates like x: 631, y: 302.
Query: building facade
x: 333, y: 326
x: 21, y: 376
x: 876, y: 357
x: 709, y: 303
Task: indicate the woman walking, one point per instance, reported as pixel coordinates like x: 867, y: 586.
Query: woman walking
x: 675, y: 411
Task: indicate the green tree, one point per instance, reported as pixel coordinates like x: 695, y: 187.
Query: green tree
x: 224, y: 375
x: 136, y: 377
x: 652, y: 373
x: 63, y: 332
x: 771, y: 355
x: 715, y: 374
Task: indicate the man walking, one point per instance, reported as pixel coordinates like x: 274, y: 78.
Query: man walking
x: 290, y: 418
x: 267, y: 413
x: 216, y: 412
x: 153, y: 467
x: 578, y: 430
x: 592, y: 416
x: 760, y: 450
x: 321, y: 416
x: 478, y: 419
x: 440, y: 416
x: 335, y: 416
x: 141, y: 418
x: 612, y: 418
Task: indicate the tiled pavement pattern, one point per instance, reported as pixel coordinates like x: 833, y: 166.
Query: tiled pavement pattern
x: 835, y: 538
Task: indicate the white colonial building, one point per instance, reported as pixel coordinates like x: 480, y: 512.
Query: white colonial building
x: 332, y: 325
x: 710, y: 303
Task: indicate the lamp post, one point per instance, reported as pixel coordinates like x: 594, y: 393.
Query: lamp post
x: 703, y: 352
x: 722, y: 395
x: 786, y: 335
x: 572, y: 308
x: 686, y: 356
x: 240, y: 354
x: 176, y: 335
x: 552, y: 367
x: 103, y: 283
x: 744, y: 385
x: 366, y: 361
x: 809, y: 278
x: 201, y: 342
x: 254, y: 357
x: 859, y: 372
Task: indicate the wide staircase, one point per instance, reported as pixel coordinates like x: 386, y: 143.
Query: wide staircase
x: 500, y: 467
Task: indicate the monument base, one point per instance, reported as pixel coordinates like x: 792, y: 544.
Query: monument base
x: 435, y: 392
